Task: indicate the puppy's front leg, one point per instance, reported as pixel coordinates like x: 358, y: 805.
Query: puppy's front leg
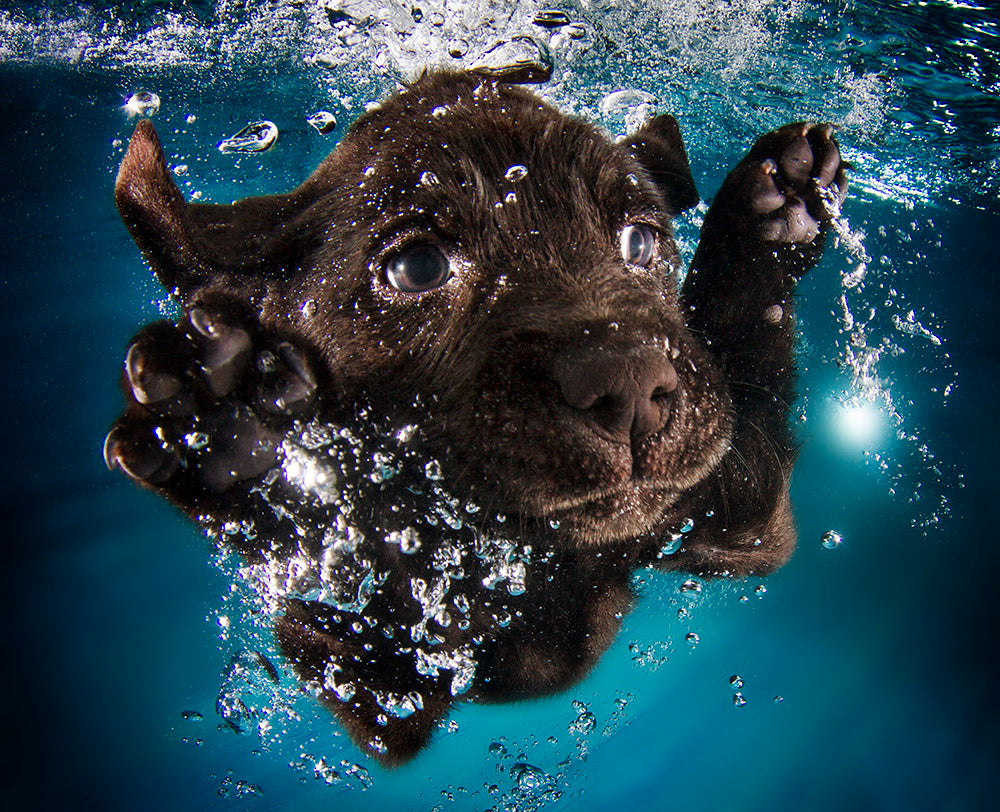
x: 764, y: 230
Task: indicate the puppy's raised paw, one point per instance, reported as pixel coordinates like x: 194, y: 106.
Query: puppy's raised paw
x: 791, y: 183
x: 207, y: 405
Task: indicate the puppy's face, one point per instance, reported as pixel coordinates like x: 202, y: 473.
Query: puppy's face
x: 506, y: 277
x: 470, y: 260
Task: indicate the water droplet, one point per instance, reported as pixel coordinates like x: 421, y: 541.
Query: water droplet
x: 256, y: 137
x: 520, y: 59
x: 515, y: 173
x: 692, y: 638
x: 831, y: 539
x: 437, y: 112
x: 143, y: 103
x: 180, y: 170
x: 736, y: 681
x: 322, y: 121
x: 554, y: 524
x: 627, y: 110
x: 510, y: 197
x: 760, y: 590
x: 687, y: 525
x: 633, y: 180
x: 739, y: 700
x: 432, y: 470
x: 429, y: 180
x: 309, y: 308
x: 190, y: 118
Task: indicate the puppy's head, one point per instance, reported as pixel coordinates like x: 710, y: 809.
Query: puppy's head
x: 472, y: 259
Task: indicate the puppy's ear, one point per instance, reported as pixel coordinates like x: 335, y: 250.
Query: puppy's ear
x: 658, y: 146
x: 191, y: 245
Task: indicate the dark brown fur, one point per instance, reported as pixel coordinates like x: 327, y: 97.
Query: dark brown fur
x: 521, y: 373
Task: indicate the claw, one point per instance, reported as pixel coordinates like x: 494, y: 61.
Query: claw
x: 148, y: 386
x: 150, y: 463
x: 111, y: 451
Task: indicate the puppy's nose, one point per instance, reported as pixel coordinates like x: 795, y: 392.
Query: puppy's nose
x: 624, y: 394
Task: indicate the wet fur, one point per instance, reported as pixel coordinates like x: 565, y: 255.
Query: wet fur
x: 480, y: 364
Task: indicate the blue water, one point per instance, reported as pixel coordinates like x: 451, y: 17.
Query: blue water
x: 881, y: 650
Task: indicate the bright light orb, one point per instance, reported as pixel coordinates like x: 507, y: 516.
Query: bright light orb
x: 858, y: 423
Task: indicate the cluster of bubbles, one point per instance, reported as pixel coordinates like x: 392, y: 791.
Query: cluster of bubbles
x: 879, y: 328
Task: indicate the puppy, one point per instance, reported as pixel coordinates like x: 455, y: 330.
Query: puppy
x: 448, y: 394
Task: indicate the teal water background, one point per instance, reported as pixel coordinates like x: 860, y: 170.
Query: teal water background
x: 881, y: 650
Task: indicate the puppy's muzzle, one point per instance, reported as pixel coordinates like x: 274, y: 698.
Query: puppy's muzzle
x: 624, y: 395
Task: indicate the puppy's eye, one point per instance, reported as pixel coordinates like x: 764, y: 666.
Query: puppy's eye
x: 418, y: 268
x: 638, y: 242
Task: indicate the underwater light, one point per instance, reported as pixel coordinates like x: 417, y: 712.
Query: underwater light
x: 858, y: 423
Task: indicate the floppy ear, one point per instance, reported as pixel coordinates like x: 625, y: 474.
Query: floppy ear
x: 658, y: 146
x: 190, y: 245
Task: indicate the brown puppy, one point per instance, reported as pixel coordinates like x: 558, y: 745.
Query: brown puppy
x: 447, y: 395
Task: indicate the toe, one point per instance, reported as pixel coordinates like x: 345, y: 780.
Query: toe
x: 765, y: 196
x: 826, y: 154
x: 140, y: 454
x: 149, y: 385
x: 289, y: 383
x: 796, y: 160
x: 225, y: 351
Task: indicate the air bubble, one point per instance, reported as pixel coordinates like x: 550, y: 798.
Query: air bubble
x: 520, y: 59
x: 530, y: 780
x: 627, y: 110
x: 736, y: 681
x: 692, y: 638
x: 672, y: 545
x: 551, y: 18
x: 257, y: 137
x: 458, y: 48
x: 142, y: 103
x: 831, y: 539
x: 691, y: 586
x: 322, y: 121
x: 515, y: 173
x: 739, y: 700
